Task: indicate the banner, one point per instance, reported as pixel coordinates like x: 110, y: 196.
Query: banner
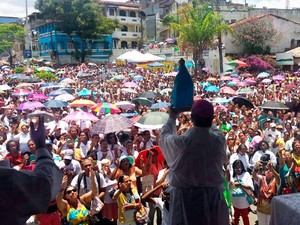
x: 285, y: 59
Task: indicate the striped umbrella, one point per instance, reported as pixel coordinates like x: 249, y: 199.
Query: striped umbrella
x: 111, y: 123
x: 106, y: 108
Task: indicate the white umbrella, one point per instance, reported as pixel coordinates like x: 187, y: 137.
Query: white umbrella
x: 4, y: 87
x: 65, y: 97
x: 129, y: 90
x: 67, y: 81
x: 125, y: 105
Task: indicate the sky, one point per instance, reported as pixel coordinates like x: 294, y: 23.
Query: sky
x: 16, y: 8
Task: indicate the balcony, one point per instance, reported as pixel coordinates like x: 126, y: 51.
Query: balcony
x: 126, y: 34
x: 126, y: 19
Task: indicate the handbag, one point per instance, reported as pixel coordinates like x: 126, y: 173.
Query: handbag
x: 249, y: 198
x: 141, y: 215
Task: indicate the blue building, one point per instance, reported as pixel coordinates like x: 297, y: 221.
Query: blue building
x: 57, y: 47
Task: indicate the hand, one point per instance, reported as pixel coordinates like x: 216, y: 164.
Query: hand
x: 117, y: 162
x: 173, y: 114
x: 64, y: 182
x: 38, y: 135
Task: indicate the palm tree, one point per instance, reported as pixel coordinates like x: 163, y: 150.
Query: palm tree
x: 197, y: 26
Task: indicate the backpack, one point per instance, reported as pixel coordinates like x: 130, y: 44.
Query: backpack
x: 82, y: 175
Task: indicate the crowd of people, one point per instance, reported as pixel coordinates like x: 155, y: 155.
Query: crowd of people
x: 262, y: 145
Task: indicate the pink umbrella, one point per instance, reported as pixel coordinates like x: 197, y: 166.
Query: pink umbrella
x: 241, y: 84
x: 37, y: 97
x: 250, y: 81
x: 80, y: 115
x: 266, y: 81
x: 227, y: 90
x: 279, y: 77
x: 130, y: 84
x: 28, y: 70
x: 30, y: 105
x: 222, y: 107
x: 234, y: 79
x: 21, y: 92
x: 225, y: 78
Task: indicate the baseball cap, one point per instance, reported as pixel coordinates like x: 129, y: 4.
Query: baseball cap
x: 272, y: 125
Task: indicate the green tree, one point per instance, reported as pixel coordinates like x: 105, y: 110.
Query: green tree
x: 256, y: 34
x: 83, y: 18
x: 10, y: 34
x: 197, y: 26
x: 46, y: 76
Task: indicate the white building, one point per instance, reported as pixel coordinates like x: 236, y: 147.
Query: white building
x: 289, y: 37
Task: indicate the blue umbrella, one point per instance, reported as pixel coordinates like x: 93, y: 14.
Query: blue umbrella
x: 84, y: 92
x: 212, y: 89
x: 231, y: 84
x: 156, y: 64
x: 263, y: 75
x: 220, y: 100
x: 234, y: 75
x: 160, y: 105
x: 138, y: 78
x: 205, y: 84
x: 49, y: 85
x: 55, y: 104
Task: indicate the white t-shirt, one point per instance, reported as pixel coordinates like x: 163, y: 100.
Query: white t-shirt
x: 82, y: 190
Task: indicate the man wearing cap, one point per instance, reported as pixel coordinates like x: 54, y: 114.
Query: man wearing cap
x: 68, y: 165
x: 272, y: 134
x: 195, y: 159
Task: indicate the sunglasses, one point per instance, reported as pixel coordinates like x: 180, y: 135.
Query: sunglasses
x: 70, y: 191
x: 230, y: 139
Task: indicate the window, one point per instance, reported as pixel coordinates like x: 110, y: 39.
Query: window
x: 132, y: 14
x: 70, y: 45
x: 111, y: 12
x: 122, y: 13
x: 124, y: 28
x: 124, y: 44
x: 134, y: 44
x: 298, y: 43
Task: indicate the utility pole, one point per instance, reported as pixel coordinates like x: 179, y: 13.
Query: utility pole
x: 220, y: 42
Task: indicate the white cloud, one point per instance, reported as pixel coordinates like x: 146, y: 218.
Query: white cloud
x: 16, y: 8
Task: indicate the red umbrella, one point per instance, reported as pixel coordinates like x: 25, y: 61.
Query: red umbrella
x: 143, y: 154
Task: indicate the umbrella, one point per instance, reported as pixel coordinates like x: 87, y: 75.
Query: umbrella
x: 250, y: 81
x: 129, y: 90
x: 47, y: 116
x: 65, y: 97
x: 28, y: 70
x: 266, y: 81
x: 211, y: 79
x: 69, y: 90
x: 30, y: 105
x: 111, y: 123
x: 152, y: 120
x: 125, y: 105
x: 234, y: 75
x: 274, y: 105
x: 156, y: 64
x: 21, y: 92
x: 37, y: 97
x: 84, y: 92
x: 4, y: 87
x: 142, y: 101
x: 290, y: 86
x: 138, y: 77
x: 172, y: 74
x: 55, y: 104
x: 130, y: 85
x: 57, y: 92
x: 106, y: 108
x: 46, y: 69
x: 237, y: 63
x: 82, y: 102
x: 118, y: 77
x: 166, y: 90
x: 220, y: 100
x: 160, y: 105
x: 143, y: 154
x: 243, y: 101
x: 212, y: 89
x: 149, y: 94
x: 67, y: 81
x: 263, y: 75
x: 49, y: 85
x: 224, y: 78
x: 205, y: 69
x: 279, y: 77
x: 80, y: 115
x: 245, y: 91
x: 227, y: 90
x: 23, y: 85
x: 241, y: 84
x: 232, y: 83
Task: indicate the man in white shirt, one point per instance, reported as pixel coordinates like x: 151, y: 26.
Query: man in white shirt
x: 68, y: 165
x: 57, y: 122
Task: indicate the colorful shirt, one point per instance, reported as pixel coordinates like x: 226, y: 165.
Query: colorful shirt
x: 78, y: 216
x: 128, y: 215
